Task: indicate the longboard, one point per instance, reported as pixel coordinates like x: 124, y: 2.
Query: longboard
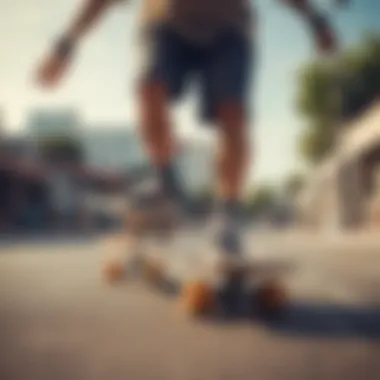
x: 204, y: 282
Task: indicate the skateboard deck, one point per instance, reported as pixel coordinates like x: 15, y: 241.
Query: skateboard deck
x: 204, y: 282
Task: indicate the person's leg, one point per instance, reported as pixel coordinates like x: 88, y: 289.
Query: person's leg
x: 156, y: 133
x: 155, y: 123
x: 164, y: 81
x: 233, y: 152
x: 227, y: 84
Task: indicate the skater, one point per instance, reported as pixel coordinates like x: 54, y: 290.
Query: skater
x: 213, y: 42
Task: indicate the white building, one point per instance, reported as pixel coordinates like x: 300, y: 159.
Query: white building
x: 119, y: 148
x: 344, y: 191
x: 116, y: 147
x: 53, y: 122
x: 196, y: 164
x: 112, y: 147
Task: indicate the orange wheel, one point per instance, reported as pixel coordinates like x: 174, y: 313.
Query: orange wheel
x: 197, y: 298
x: 271, y: 297
x: 113, y: 271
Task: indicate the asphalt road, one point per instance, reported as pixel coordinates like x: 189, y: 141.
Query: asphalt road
x: 59, y: 321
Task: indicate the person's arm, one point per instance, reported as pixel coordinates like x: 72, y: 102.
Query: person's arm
x: 55, y: 64
x: 88, y: 15
x: 319, y: 23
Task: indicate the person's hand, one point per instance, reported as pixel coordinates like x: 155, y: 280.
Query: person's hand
x: 325, y: 41
x: 323, y: 33
x: 54, y: 66
x: 51, y: 71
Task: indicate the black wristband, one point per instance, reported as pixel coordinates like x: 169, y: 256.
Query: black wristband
x: 318, y: 22
x: 64, y: 47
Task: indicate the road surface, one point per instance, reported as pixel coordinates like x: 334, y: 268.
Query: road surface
x: 59, y: 321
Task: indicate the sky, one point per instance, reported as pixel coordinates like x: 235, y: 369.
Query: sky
x: 101, y: 83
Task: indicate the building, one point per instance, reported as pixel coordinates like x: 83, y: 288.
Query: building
x: 108, y: 151
x: 23, y: 193
x: 196, y: 164
x: 112, y: 147
x: 117, y: 148
x: 344, y: 191
x: 46, y: 123
x: 18, y: 147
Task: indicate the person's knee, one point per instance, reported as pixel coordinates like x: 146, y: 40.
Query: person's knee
x: 153, y: 104
x: 151, y: 90
x: 232, y: 121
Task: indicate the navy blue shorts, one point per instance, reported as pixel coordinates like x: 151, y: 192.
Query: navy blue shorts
x: 222, y: 70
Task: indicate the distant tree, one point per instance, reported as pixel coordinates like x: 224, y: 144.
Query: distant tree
x: 205, y: 194
x: 335, y: 91
x: 293, y: 184
x: 60, y: 149
x: 261, y: 199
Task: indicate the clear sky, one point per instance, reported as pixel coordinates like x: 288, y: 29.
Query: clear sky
x: 100, y: 84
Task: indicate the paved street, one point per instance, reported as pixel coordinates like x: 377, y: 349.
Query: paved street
x: 59, y: 321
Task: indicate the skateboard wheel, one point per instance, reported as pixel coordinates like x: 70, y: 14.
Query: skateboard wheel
x: 271, y: 297
x: 113, y: 271
x: 197, y: 298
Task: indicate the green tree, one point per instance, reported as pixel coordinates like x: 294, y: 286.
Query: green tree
x: 315, y: 142
x: 293, y: 184
x: 332, y: 92
x: 261, y: 199
x: 205, y: 194
x: 60, y: 149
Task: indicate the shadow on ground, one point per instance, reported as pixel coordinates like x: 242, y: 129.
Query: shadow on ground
x: 328, y: 321
x: 313, y: 320
x: 301, y: 319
